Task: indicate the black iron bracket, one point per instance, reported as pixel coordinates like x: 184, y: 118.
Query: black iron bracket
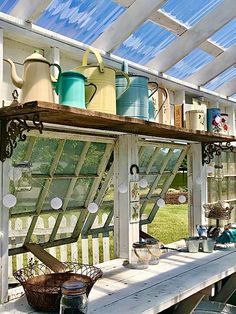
x: 210, y: 150
x: 13, y: 131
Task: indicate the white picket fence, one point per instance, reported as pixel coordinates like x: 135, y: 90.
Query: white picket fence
x: 88, y: 250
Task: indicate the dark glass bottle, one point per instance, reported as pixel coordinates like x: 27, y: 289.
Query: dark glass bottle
x: 74, y: 298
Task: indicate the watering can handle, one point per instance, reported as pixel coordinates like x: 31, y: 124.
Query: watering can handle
x: 59, y: 71
x: 95, y: 89
x: 153, y: 90
x: 97, y: 55
x: 127, y: 79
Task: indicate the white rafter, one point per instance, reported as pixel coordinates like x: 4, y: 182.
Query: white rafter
x: 29, y: 10
x: 214, y: 68
x: 196, y: 35
x: 228, y: 89
x: 126, y: 24
x: 176, y: 27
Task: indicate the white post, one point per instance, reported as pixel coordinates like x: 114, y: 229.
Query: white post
x: 126, y: 230
x: 197, y: 187
x: 55, y: 57
x: 4, y: 213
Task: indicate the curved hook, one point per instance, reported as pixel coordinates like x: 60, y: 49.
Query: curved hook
x: 134, y: 166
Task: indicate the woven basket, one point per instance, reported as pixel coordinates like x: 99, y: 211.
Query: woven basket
x: 43, y: 287
x: 218, y: 210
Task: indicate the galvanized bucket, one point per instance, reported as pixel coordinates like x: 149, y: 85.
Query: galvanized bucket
x: 71, y: 89
x: 134, y: 101
x: 104, y: 78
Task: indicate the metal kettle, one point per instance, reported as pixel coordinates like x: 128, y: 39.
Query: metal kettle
x: 36, y: 83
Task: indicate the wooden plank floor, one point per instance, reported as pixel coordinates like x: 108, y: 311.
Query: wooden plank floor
x: 177, y: 276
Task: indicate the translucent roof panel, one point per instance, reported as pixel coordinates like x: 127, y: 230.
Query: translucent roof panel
x: 190, y: 64
x: 83, y: 20
x: 7, y: 5
x: 226, y: 36
x: 145, y: 43
x: 189, y: 12
x: 221, y: 79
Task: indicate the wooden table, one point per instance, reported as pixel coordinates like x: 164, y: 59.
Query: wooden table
x: 179, y: 276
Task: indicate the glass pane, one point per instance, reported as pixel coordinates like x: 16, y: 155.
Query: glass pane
x: 43, y: 155
x: 19, y: 151
x: 160, y: 159
x: 172, y: 162
x: 67, y: 225
x: 94, y: 156
x: 70, y: 157
x: 80, y: 192
x: 58, y: 188
x: 27, y: 200
x: 144, y: 159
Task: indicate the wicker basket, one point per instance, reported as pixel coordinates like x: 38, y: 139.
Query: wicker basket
x: 43, y: 287
x: 218, y: 210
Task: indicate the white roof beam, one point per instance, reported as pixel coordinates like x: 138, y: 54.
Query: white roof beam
x: 176, y: 27
x: 214, y: 68
x: 228, y: 89
x: 196, y: 35
x: 29, y: 10
x: 126, y: 24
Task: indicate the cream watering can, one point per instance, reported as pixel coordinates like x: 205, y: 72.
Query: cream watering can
x: 104, y: 77
x: 36, y: 83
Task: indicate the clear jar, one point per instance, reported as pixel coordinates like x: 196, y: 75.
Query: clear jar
x: 142, y: 254
x: 22, y: 176
x: 154, y: 251
x: 74, y: 298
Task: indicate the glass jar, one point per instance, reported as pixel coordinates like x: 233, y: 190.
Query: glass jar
x: 74, y: 298
x: 22, y: 176
x: 142, y: 254
x: 154, y: 251
x: 219, y: 173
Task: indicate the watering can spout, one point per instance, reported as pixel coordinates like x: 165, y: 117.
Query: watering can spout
x: 17, y: 81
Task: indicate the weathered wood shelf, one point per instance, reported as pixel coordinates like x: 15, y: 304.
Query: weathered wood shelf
x: 69, y: 116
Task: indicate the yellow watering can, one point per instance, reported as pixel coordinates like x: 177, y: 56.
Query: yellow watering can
x: 104, y: 78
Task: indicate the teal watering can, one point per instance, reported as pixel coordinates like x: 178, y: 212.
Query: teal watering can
x: 70, y: 87
x: 134, y: 101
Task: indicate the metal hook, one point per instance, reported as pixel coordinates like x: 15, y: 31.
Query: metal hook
x: 134, y: 166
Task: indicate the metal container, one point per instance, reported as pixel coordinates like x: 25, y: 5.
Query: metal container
x: 208, y: 245
x: 213, y: 120
x: 104, y: 78
x: 22, y: 176
x: 195, y: 120
x: 192, y: 244
x: 224, y: 123
x: 71, y: 89
x: 134, y: 101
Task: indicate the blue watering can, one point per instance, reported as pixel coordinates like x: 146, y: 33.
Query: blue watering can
x: 134, y: 101
x: 70, y: 87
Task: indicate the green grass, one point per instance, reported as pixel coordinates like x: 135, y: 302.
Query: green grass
x: 170, y: 224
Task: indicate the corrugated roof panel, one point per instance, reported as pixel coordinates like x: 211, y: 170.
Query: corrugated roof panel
x: 7, y: 5
x: 226, y: 36
x: 190, y: 64
x: 145, y: 43
x: 189, y: 12
x: 221, y: 79
x: 83, y: 20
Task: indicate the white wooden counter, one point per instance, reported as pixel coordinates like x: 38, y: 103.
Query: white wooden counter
x: 177, y: 276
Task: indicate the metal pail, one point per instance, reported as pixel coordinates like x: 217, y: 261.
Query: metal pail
x: 104, y: 78
x: 134, y: 101
x: 71, y: 89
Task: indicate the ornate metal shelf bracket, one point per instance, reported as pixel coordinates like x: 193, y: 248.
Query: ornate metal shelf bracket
x: 13, y: 131
x: 210, y: 150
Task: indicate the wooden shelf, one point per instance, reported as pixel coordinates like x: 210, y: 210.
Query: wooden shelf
x: 69, y: 116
